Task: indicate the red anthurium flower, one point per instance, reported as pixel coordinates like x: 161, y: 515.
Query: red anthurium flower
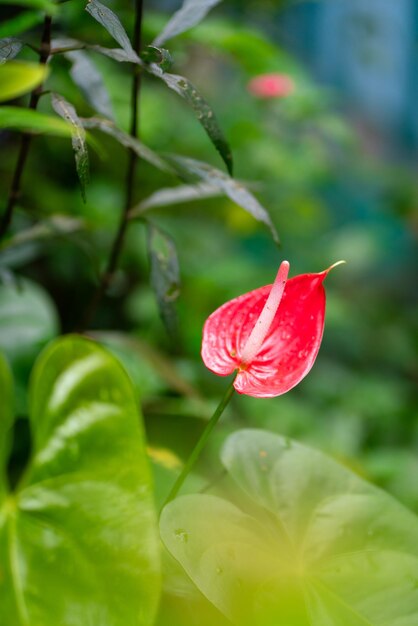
x: 270, y: 335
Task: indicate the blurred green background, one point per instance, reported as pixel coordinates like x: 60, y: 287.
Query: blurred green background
x: 333, y: 162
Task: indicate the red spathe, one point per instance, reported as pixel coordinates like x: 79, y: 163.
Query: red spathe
x: 290, y: 346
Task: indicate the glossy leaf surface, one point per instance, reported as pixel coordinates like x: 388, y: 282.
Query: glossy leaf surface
x: 17, y: 118
x: 78, y: 541
x: 191, y: 13
x: 19, y: 77
x: 314, y: 544
x: 289, y: 348
x: 78, y: 138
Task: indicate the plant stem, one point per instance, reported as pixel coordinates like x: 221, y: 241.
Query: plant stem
x: 26, y: 138
x: 119, y: 239
x: 197, y: 450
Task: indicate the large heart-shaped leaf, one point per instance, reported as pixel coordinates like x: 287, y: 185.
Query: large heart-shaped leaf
x: 78, y: 538
x: 312, y: 544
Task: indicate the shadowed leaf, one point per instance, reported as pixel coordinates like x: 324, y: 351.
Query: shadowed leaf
x: 78, y: 138
x: 230, y: 187
x: 9, y: 48
x: 108, y: 127
x: 203, y: 111
x: 165, y: 274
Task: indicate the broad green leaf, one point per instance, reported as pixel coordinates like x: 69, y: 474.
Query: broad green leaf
x: 230, y: 187
x: 6, y: 419
x: 165, y: 274
x: 175, y: 195
x: 201, y: 108
x: 110, y: 21
x: 17, y: 118
x: 108, y: 127
x: 28, y: 320
x: 78, y: 138
x: 191, y: 13
x: 87, y: 77
x: 19, y: 77
x: 21, y: 23
x: 46, y: 5
x: 9, y: 48
x: 78, y: 541
x: 312, y: 544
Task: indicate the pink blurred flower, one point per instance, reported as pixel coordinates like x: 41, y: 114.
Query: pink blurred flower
x: 271, y: 86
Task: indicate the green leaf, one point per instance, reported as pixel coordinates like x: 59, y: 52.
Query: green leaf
x: 108, y: 127
x: 113, y: 25
x: 19, y: 77
x: 78, y: 540
x: 46, y: 5
x: 78, y: 138
x: 9, y: 48
x: 87, y: 77
x: 203, y: 111
x: 17, y: 118
x: 6, y: 419
x: 175, y: 195
x: 28, y: 320
x: 22, y: 22
x: 165, y: 274
x: 312, y: 545
x: 53, y: 227
x: 191, y: 13
x: 230, y: 187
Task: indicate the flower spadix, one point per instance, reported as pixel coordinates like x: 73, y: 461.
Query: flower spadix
x: 271, y: 335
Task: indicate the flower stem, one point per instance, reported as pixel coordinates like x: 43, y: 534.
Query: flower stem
x: 197, y: 450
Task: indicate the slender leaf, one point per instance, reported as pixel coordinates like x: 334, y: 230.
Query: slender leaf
x: 191, y: 13
x: 54, y: 226
x: 165, y: 274
x: 175, y: 195
x: 16, y: 118
x: 313, y: 545
x: 230, y: 187
x: 19, y: 77
x: 78, y: 138
x: 110, y: 21
x: 87, y: 77
x: 108, y: 127
x: 45, y: 5
x: 21, y: 23
x: 9, y: 48
x: 203, y: 111
x: 78, y: 540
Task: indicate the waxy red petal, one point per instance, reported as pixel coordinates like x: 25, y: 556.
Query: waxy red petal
x: 290, y: 347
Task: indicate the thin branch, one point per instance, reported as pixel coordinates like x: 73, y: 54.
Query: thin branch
x: 118, y: 242
x: 26, y: 138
